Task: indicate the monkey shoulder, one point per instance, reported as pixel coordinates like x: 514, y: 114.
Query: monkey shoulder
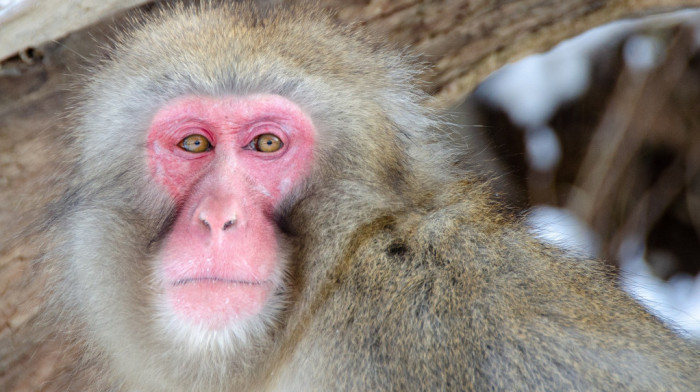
x: 467, y: 302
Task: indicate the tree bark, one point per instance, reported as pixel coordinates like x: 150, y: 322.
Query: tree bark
x: 461, y: 41
x: 26, y: 23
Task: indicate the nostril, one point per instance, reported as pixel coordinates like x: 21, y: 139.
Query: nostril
x: 204, y: 221
x: 229, y: 223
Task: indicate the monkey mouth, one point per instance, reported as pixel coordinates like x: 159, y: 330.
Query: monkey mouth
x: 216, y: 302
x: 186, y: 281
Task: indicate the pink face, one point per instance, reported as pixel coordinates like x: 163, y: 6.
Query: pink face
x: 227, y: 162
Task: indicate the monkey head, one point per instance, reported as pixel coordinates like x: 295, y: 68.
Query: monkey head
x: 206, y: 128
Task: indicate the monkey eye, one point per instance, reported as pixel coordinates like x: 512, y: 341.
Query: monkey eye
x: 195, y: 143
x: 266, y: 142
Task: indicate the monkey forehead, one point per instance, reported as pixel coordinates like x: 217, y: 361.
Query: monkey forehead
x: 230, y: 113
x: 229, y: 37
x: 232, y: 48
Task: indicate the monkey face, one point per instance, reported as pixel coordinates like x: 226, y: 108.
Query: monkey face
x: 227, y: 163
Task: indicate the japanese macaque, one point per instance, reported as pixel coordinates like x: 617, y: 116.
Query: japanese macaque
x: 263, y: 202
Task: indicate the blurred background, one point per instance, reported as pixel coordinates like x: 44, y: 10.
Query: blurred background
x: 600, y: 137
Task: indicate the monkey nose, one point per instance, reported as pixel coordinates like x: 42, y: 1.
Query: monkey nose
x: 226, y: 225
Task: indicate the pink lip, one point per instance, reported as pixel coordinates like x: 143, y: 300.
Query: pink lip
x: 214, y: 279
x: 215, y: 302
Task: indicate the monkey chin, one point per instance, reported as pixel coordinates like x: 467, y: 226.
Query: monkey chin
x: 214, y: 315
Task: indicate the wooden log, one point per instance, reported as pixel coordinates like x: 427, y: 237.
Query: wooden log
x: 27, y: 23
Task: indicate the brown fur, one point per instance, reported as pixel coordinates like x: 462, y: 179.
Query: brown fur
x: 405, y: 274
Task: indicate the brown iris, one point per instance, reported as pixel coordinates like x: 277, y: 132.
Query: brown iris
x: 267, y: 142
x: 195, y: 143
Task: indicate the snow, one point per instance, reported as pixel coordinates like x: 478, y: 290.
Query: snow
x: 10, y: 7
x: 543, y: 149
x: 676, y: 301
x: 643, y: 53
x: 532, y: 89
x: 562, y: 228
